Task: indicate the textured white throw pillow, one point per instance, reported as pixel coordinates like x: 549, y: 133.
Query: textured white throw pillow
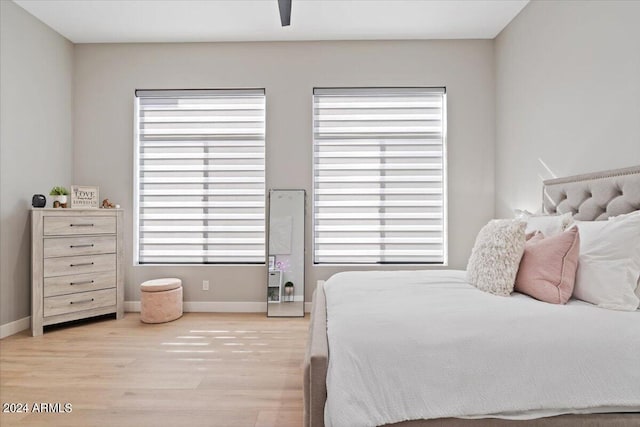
x: 495, y: 257
x: 609, y: 262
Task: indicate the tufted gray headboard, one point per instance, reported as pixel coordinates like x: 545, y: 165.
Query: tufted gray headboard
x: 594, y: 196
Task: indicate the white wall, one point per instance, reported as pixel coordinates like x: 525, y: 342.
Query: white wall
x: 564, y: 78
x: 107, y: 75
x: 567, y: 95
x: 36, y: 146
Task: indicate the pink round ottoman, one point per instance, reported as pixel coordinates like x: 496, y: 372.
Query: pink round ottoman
x: 160, y: 300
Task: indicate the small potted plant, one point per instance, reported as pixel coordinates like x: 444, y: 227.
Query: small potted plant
x: 60, y: 196
x: 288, y: 291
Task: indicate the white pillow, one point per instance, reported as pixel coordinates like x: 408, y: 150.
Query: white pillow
x: 548, y: 225
x: 495, y: 257
x: 609, y: 264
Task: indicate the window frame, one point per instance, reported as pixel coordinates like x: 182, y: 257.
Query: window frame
x: 136, y: 186
x: 445, y: 191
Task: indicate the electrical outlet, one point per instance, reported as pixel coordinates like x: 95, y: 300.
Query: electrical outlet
x: 205, y: 285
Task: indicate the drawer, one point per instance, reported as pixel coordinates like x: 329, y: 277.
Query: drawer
x: 62, y: 285
x: 69, y: 225
x: 88, y: 245
x: 79, y: 264
x: 72, y: 303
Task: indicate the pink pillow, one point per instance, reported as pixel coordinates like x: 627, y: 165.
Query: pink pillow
x: 548, y: 267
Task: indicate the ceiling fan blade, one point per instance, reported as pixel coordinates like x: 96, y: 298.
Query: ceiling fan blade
x: 285, y: 12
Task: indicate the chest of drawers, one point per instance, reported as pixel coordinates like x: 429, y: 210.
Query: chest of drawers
x: 76, y: 265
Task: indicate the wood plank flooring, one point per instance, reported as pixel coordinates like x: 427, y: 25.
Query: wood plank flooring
x: 204, y: 369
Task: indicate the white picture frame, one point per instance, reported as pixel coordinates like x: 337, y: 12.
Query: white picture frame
x: 85, y: 197
x: 272, y: 262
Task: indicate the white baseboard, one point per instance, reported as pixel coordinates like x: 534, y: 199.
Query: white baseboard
x: 20, y: 325
x: 14, y: 327
x: 132, y: 306
x: 215, y: 307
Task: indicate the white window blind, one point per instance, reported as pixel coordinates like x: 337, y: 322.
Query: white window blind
x: 200, y: 176
x: 379, y: 176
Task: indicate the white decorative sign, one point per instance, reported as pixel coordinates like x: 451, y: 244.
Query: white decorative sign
x: 83, y: 196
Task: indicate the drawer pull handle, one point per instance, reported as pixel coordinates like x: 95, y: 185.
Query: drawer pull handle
x: 81, y: 246
x: 82, y: 301
x: 80, y: 225
x: 81, y: 264
x: 81, y: 283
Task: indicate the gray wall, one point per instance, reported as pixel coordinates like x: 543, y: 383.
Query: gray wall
x: 562, y: 90
x: 108, y: 74
x: 567, y: 95
x: 37, y: 86
x: 36, y: 145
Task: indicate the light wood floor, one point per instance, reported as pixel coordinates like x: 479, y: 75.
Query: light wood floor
x: 205, y: 369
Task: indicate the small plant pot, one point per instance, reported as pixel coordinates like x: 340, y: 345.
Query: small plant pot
x: 59, y: 201
x: 288, y: 291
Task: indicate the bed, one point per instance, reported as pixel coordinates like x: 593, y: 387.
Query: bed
x: 491, y: 383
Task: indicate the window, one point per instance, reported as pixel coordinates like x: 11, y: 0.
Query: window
x: 379, y: 176
x: 200, y: 176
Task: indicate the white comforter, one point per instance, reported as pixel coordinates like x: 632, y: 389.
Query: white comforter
x: 426, y: 344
